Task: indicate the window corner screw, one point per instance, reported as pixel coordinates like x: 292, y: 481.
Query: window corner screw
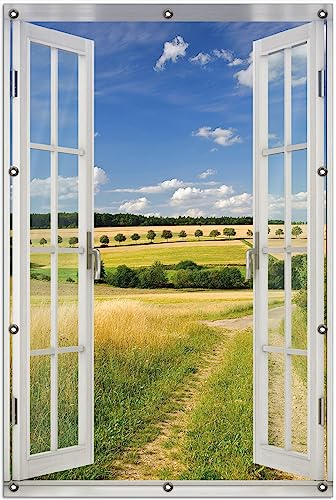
x: 322, y: 486
x: 13, y: 14
x: 168, y: 487
x: 13, y: 171
x: 168, y: 14
x: 323, y: 329
x: 13, y: 329
x: 13, y: 487
x: 322, y: 14
x: 322, y: 171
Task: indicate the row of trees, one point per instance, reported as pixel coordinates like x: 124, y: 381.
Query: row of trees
x: 70, y: 220
x: 188, y: 275
x: 72, y: 241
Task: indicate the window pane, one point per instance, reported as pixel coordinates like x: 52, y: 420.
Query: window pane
x: 299, y: 94
x: 39, y: 404
x: 67, y: 99
x: 276, y: 399
x: 40, y: 198
x: 67, y: 399
x: 40, y: 301
x: 299, y: 403
x: 40, y: 91
x: 68, y: 197
x: 276, y: 99
x: 67, y: 299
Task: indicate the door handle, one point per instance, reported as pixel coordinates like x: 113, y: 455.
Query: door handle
x: 252, y: 256
x: 97, y: 263
x: 249, y: 260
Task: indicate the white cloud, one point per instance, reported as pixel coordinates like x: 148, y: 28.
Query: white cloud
x: 171, y: 51
x: 158, y: 188
x: 245, y: 76
x: 99, y: 178
x: 191, y: 193
x: 203, y: 58
x: 134, y: 205
x: 299, y: 81
x: 207, y: 173
x: 212, y: 150
x: 97, y: 134
x: 236, y: 62
x: 224, y: 54
x: 194, y: 212
x: 221, y: 136
x: 238, y: 204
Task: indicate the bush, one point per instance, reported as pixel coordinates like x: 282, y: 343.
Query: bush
x: 184, y: 278
x: 187, y: 264
x: 154, y: 276
x: 299, y: 272
x: 275, y: 273
x: 124, y: 277
x: 224, y: 278
x: 227, y: 277
x: 70, y: 280
x: 40, y: 276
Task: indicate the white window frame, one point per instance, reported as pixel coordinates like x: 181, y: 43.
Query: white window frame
x: 224, y: 11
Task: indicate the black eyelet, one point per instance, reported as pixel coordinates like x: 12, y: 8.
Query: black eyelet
x: 168, y: 14
x: 13, y: 14
x: 168, y: 487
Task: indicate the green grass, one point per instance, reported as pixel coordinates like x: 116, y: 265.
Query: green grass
x: 220, y: 253
x: 220, y: 435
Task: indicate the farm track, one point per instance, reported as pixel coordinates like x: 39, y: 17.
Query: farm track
x: 165, y: 452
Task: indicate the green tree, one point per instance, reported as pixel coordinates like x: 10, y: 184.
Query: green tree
x: 125, y: 277
x: 214, y: 233
x: 249, y: 233
x: 279, y: 232
x: 151, y: 235
x: 104, y: 240
x: 229, y: 231
x: 60, y: 239
x: 120, y: 238
x: 198, y: 233
x: 269, y: 230
x: 296, y: 231
x: 43, y: 241
x: 182, y: 234
x: 135, y: 237
x: 154, y: 276
x: 73, y: 241
x: 166, y: 234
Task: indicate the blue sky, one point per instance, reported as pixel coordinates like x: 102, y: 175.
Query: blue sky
x: 173, y: 117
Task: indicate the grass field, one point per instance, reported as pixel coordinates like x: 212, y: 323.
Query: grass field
x: 135, y: 379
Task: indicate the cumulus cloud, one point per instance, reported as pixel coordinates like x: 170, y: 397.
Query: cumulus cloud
x: 195, y: 212
x: 99, y: 178
x: 223, y: 137
x: 191, y: 193
x: 171, y: 51
x: 202, y: 58
x: 244, y: 76
x: 223, y: 54
x: 240, y: 204
x: 207, y: 173
x: 134, y: 205
x: 157, y: 188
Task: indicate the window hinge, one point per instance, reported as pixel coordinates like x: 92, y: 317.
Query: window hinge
x: 321, y: 83
x: 14, y: 411
x: 321, y: 411
x: 14, y: 83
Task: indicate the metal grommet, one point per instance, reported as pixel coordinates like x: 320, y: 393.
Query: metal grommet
x: 13, y: 171
x: 13, y: 14
x: 322, y: 171
x: 322, y: 14
x: 13, y: 329
x: 322, y: 486
x: 13, y: 487
x: 168, y: 487
x: 323, y: 329
x: 168, y: 14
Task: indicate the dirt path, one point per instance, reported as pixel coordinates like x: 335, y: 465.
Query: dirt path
x: 275, y: 316
x: 165, y: 452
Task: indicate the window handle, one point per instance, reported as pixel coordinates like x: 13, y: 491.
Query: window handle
x: 252, y: 257
x: 97, y: 263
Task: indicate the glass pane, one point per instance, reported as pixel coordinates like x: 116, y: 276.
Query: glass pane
x: 40, y: 91
x: 299, y: 94
x: 67, y: 299
x: 39, y: 404
x: 68, y: 198
x: 40, y: 198
x: 276, y: 399
x: 276, y: 299
x: 299, y: 198
x: 67, y: 399
x: 276, y: 205
x: 40, y: 293
x: 299, y: 403
x: 67, y: 99
x: 276, y: 99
